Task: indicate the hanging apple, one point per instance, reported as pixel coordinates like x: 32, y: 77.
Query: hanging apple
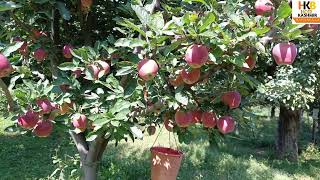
x: 43, y: 128
x: 231, y: 99
x: 67, y: 51
x: 250, y: 64
x: 190, y: 76
x: 147, y: 69
x: 196, y: 116
x: 28, y: 120
x: 263, y: 7
x: 226, y: 124
x: 284, y: 53
x: 5, y: 66
x: 183, y: 119
x: 209, y: 119
x: 197, y: 55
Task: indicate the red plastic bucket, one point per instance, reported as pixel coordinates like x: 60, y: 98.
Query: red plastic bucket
x: 165, y: 163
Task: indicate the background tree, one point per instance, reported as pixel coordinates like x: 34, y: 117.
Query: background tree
x: 103, y: 79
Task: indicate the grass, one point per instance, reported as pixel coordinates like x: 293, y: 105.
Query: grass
x: 241, y: 157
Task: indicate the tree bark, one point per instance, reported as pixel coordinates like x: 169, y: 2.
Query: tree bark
x: 6, y: 91
x: 90, y: 154
x: 273, y: 111
x: 288, y: 131
x: 89, y: 172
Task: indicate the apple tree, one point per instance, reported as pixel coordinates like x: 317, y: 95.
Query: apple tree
x: 104, y: 70
x: 293, y: 88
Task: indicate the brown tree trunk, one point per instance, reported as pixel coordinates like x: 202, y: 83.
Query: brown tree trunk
x: 288, y: 131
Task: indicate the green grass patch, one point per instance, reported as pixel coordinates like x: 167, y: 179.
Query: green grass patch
x: 242, y: 156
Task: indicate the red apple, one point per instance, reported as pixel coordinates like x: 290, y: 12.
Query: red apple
x: 168, y: 124
x: 77, y: 73
x: 197, y: 55
x: 178, y: 81
x: 40, y: 54
x: 86, y: 3
x: 5, y: 66
x: 209, y: 119
x: 196, y: 116
x: 94, y: 71
x: 79, y: 121
x: 151, y: 130
x: 23, y: 50
x: 231, y: 99
x: 251, y: 63
x: 43, y: 128
x: 104, y: 67
x: 45, y: 105
x: 147, y: 69
x: 284, y: 53
x: 263, y: 7
x: 226, y: 124
x: 28, y: 120
x: 38, y: 33
x: 190, y: 77
x: 183, y: 119
x: 67, y: 51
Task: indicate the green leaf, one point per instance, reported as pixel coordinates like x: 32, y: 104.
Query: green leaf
x: 68, y: 66
x: 142, y: 14
x: 261, y: 31
x: 156, y: 22
x: 182, y: 98
x: 122, y: 115
x: 64, y: 12
x: 12, y: 49
x: 130, y: 88
x: 136, y: 132
x: 119, y: 106
x: 9, y: 5
x: 198, y: 1
x: 284, y: 10
x: 91, y: 137
x: 124, y: 71
x: 129, y: 24
x: 130, y: 42
x: 210, y: 18
x: 236, y: 19
x: 101, y: 121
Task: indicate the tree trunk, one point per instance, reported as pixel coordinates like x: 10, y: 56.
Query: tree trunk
x: 273, y: 111
x: 90, y: 172
x: 288, y: 131
x: 90, y: 154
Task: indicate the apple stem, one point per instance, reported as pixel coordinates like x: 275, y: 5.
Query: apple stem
x: 7, y: 94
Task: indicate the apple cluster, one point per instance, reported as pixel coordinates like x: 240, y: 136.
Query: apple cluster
x: 196, y: 56
x: 41, y: 121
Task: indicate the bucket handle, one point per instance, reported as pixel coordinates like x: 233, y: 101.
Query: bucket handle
x: 174, y: 137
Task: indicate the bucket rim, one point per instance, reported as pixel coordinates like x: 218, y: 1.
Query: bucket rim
x: 177, y: 153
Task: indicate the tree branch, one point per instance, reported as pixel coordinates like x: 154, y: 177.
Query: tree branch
x: 8, y: 95
x: 55, y: 37
x: 81, y: 144
x: 24, y: 26
x: 141, y: 112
